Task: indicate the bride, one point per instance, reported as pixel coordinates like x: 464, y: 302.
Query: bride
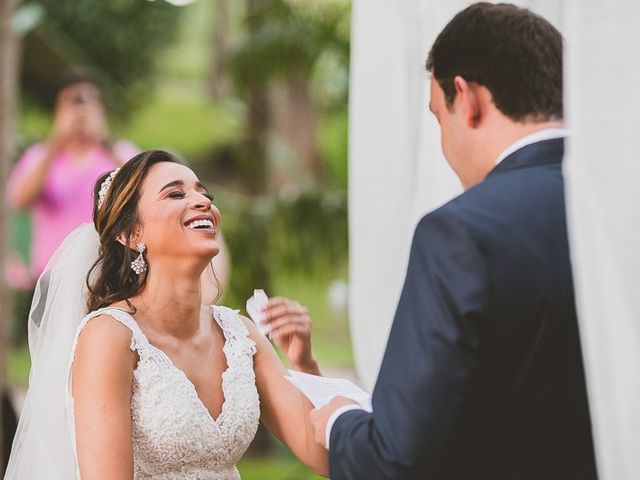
x: 150, y: 383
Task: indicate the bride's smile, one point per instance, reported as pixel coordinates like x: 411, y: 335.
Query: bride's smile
x: 202, y: 223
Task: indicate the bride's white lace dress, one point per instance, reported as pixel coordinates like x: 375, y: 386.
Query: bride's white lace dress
x: 174, y: 436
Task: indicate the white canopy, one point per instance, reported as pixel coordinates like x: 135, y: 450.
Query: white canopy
x: 397, y: 173
x: 603, y: 171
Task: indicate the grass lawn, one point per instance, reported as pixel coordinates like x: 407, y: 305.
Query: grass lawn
x: 277, y: 467
x: 281, y: 465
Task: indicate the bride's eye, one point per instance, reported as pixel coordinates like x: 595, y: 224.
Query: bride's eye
x: 209, y: 196
x: 176, y: 194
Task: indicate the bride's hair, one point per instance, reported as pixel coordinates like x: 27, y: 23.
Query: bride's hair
x: 111, y: 278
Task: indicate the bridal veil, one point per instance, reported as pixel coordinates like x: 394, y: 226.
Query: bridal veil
x: 44, y: 445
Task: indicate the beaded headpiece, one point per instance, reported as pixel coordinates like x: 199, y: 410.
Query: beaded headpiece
x: 104, y: 188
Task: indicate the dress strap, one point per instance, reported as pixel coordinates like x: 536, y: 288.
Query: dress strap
x: 236, y: 334
x: 138, y: 339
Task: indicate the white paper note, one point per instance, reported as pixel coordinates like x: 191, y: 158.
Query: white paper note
x: 255, y: 304
x: 320, y: 390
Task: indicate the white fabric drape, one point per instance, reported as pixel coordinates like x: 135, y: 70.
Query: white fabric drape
x: 602, y: 171
x: 396, y: 169
x: 397, y: 172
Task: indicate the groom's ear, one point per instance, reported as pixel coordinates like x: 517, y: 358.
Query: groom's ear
x: 468, y: 100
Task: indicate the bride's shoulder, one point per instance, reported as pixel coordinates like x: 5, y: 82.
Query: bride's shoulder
x: 102, y: 359
x: 101, y: 340
x: 103, y: 327
x: 110, y: 326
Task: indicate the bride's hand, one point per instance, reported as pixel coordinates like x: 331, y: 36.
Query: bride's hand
x: 290, y: 325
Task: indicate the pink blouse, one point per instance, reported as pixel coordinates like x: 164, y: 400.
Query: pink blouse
x: 67, y: 198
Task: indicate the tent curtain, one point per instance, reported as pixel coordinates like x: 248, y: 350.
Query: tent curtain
x: 602, y: 170
x: 397, y: 173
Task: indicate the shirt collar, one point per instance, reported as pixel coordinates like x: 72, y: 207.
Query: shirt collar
x: 539, y: 136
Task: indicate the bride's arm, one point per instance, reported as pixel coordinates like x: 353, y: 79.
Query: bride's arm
x: 102, y: 377
x: 284, y: 410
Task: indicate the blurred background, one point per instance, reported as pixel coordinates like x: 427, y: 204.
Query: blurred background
x: 252, y: 94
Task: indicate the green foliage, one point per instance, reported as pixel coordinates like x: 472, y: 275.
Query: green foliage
x: 309, y: 233
x: 305, y: 234
x: 20, y: 235
x: 18, y: 365
x: 288, y: 37
x: 334, y: 146
x: 297, y: 46
x: 120, y: 37
x: 34, y: 125
x: 246, y: 234
x: 189, y: 57
x: 182, y: 121
x: 331, y: 340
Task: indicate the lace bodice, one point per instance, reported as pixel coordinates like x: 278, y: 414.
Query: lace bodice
x: 174, y: 435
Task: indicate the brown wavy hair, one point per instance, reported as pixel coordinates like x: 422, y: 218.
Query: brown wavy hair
x: 111, y: 278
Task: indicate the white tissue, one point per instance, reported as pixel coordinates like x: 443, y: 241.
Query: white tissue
x: 255, y: 304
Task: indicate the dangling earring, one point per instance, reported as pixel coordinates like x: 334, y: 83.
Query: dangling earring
x: 139, y: 265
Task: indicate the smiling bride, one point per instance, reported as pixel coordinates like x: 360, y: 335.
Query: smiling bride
x: 150, y: 383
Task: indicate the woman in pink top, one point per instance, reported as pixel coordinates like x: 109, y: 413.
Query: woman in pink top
x: 54, y: 179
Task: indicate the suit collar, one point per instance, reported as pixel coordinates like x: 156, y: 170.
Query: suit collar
x: 543, y: 152
x: 534, y: 137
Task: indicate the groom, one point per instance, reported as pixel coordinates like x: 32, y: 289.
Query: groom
x: 482, y: 377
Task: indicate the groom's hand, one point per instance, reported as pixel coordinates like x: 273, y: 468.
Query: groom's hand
x: 320, y: 416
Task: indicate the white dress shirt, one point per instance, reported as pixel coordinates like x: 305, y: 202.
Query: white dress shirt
x: 334, y: 416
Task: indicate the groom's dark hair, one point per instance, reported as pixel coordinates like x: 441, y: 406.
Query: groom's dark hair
x: 514, y: 53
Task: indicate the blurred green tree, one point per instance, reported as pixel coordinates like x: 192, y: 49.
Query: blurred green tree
x: 9, y: 47
x: 285, y: 43
x: 118, y: 40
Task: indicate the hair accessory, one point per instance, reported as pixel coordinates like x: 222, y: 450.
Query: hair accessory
x: 104, y: 188
x: 139, y: 265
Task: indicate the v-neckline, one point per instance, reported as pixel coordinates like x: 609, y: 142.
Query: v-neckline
x: 172, y: 365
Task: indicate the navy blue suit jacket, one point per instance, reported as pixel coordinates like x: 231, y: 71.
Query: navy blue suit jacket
x: 482, y: 377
